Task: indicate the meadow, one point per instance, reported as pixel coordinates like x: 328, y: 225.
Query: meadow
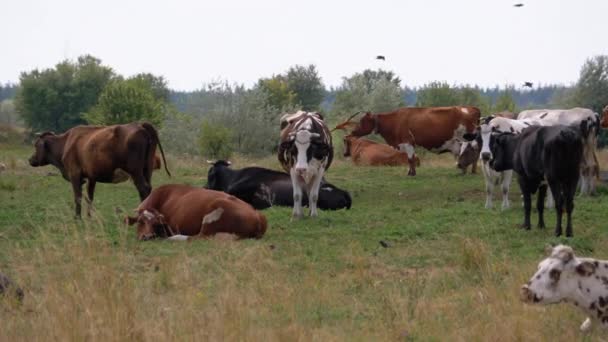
x: 451, y: 272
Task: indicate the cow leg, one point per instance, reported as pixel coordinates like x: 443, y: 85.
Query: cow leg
x: 90, y: 194
x: 77, y: 188
x: 527, y: 209
x: 489, y: 192
x: 506, y: 183
x: 540, y: 204
x: 559, y: 205
x: 584, y: 181
x: 550, y: 200
x: 569, y: 192
x: 313, y: 194
x: 474, y: 167
x: 297, y: 195
x: 143, y: 187
x: 411, y: 157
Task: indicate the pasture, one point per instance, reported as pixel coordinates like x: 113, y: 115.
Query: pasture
x: 452, y: 271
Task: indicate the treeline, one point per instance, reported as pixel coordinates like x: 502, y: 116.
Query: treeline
x: 221, y: 117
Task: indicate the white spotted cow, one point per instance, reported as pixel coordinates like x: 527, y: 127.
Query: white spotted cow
x: 563, y: 277
x: 305, y: 152
x: 568, y: 117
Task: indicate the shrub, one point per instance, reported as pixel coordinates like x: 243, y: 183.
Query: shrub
x: 214, y: 140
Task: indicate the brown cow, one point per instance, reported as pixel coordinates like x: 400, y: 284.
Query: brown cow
x: 367, y: 152
x: 101, y: 154
x: 438, y: 129
x: 182, y: 212
x: 469, y: 155
x: 605, y: 117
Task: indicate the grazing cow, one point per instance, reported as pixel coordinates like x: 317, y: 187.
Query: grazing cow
x: 563, y: 277
x: 549, y: 117
x: 263, y: 188
x: 438, y: 129
x: 553, y: 153
x: 367, y: 152
x: 8, y: 287
x: 605, y: 117
x: 182, y: 212
x: 101, y: 154
x: 306, y: 152
x: 469, y: 155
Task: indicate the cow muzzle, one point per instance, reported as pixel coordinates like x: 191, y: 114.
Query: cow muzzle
x: 486, y: 156
x: 528, y: 296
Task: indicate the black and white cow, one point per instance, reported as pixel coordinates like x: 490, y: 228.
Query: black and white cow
x: 263, y: 188
x: 574, y: 116
x: 305, y: 152
x: 539, y: 153
x: 563, y: 277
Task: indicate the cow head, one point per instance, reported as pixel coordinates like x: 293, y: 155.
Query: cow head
x: 605, y: 117
x: 42, y: 150
x: 305, y: 145
x: 469, y: 152
x: 217, y: 175
x: 502, y: 148
x: 333, y: 198
x: 366, y: 125
x: 150, y: 224
x: 557, y: 277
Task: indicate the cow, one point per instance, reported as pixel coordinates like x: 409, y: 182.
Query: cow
x: 539, y: 153
x: 263, y: 188
x: 563, y: 277
x: 305, y: 152
x: 549, y: 117
x: 438, y: 129
x: 101, y: 154
x: 8, y: 288
x: 184, y: 212
x: 605, y: 117
x: 469, y: 155
x: 493, y: 124
x: 370, y: 153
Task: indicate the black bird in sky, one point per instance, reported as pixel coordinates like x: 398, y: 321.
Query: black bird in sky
x: 528, y: 84
x: 381, y: 57
x: 518, y: 5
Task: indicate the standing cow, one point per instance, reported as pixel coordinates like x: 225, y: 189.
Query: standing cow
x: 305, y: 152
x: 438, y: 129
x: 539, y: 153
x: 101, y: 154
x: 575, y: 116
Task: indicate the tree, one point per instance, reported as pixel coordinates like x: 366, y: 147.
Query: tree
x: 505, y: 102
x: 592, y: 86
x: 8, y: 114
x: 306, y: 84
x: 157, y: 84
x: 214, y: 140
x: 127, y: 101
x: 437, y: 94
x: 54, y: 99
x: 279, y: 94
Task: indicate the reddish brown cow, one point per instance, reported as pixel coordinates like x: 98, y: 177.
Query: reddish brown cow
x: 101, y: 154
x: 438, y: 129
x: 182, y: 212
x: 367, y: 152
x: 605, y: 117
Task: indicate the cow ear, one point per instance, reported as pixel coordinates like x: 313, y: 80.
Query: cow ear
x: 585, y: 268
x: 130, y: 220
x: 564, y: 253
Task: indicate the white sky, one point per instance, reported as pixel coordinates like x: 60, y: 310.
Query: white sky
x: 189, y: 42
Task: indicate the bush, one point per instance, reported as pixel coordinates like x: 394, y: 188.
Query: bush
x: 214, y: 141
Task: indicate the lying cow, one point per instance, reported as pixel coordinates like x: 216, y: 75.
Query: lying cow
x: 101, y: 154
x: 605, y: 117
x: 553, y: 153
x: 306, y: 152
x: 575, y: 116
x: 182, y: 212
x: 438, y: 129
x: 367, y: 152
x: 469, y: 155
x: 563, y: 277
x: 263, y: 188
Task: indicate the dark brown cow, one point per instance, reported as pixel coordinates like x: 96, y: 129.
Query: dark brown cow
x: 182, y: 212
x: 101, y: 154
x: 367, y: 152
x: 605, y: 117
x: 438, y: 129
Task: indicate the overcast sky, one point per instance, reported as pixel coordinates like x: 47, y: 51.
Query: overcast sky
x: 191, y: 42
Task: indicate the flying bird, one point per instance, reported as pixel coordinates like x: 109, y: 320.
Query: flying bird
x: 518, y: 5
x: 381, y: 57
x: 528, y: 84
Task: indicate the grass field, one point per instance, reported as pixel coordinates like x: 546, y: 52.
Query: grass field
x: 452, y: 272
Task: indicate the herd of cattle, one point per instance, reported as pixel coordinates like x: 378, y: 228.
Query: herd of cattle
x: 551, y: 152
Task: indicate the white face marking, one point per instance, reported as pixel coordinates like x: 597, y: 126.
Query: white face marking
x: 486, y: 133
x: 464, y: 110
x: 302, y: 142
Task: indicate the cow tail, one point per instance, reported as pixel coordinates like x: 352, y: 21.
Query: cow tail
x: 152, y: 131
x: 262, y: 226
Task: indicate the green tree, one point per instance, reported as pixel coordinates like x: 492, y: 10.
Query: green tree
x: 306, y: 84
x: 8, y: 114
x: 127, y: 101
x: 438, y: 94
x: 54, y: 99
x: 279, y: 94
x: 592, y: 87
x: 157, y: 84
x: 505, y: 102
x: 214, y: 140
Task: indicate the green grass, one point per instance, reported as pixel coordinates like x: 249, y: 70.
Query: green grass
x: 452, y: 271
